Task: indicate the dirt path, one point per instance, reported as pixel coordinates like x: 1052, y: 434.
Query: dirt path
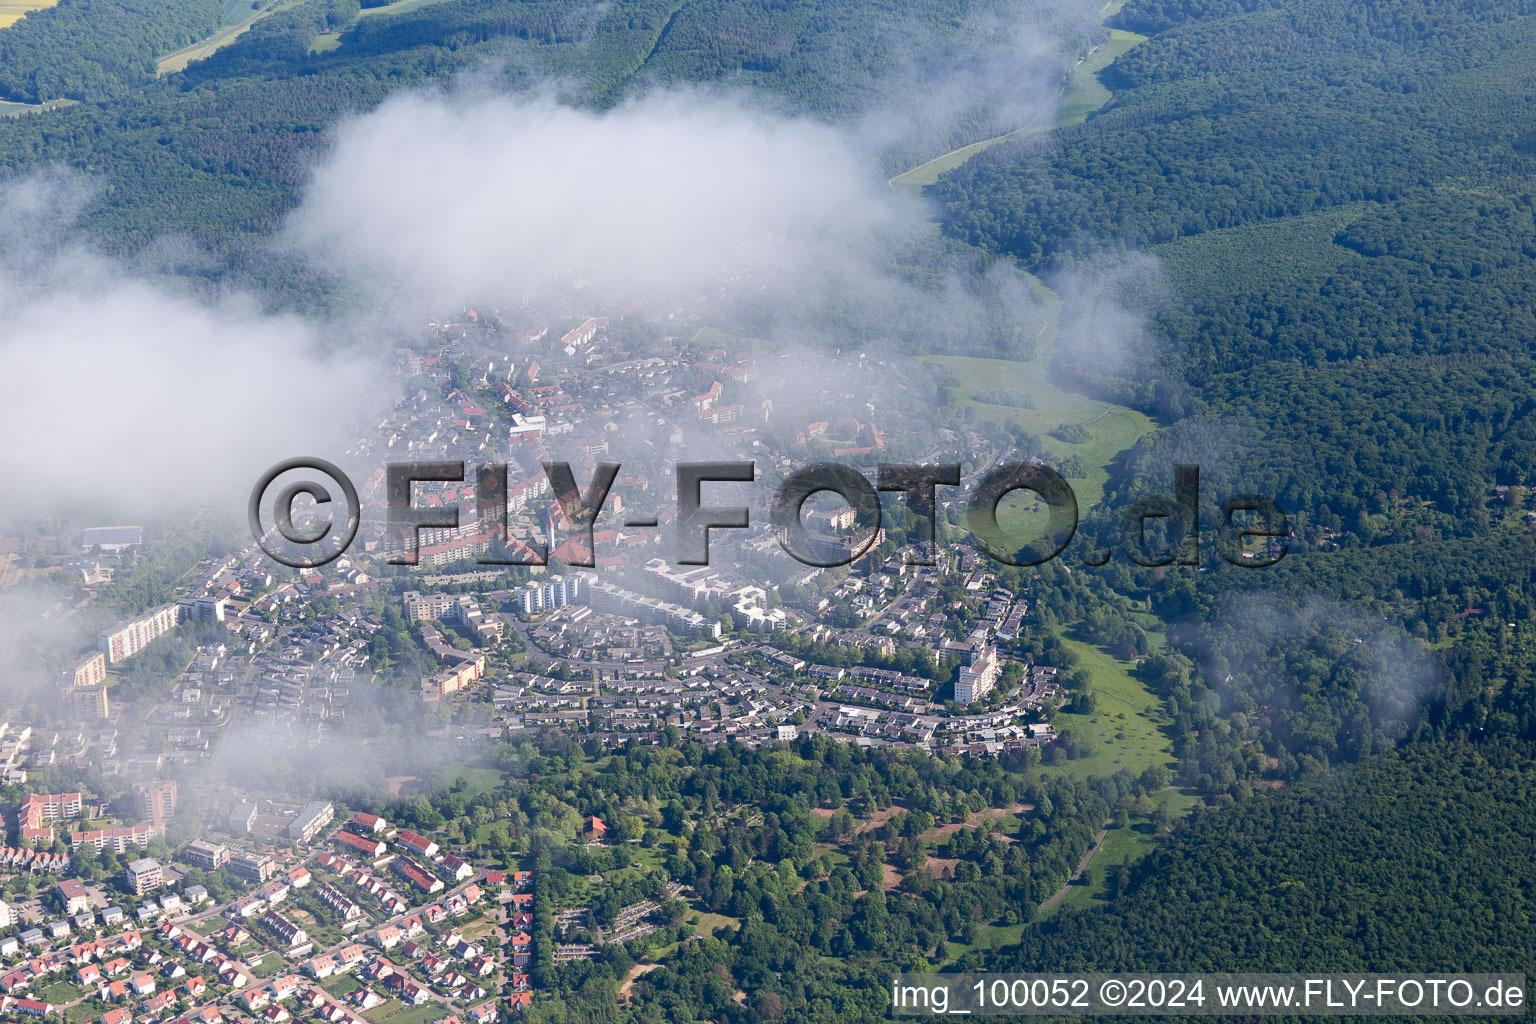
x: 1081, y: 867
x: 629, y: 980
x: 879, y: 818
x: 988, y: 814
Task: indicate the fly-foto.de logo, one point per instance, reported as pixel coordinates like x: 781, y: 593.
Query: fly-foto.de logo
x: 1156, y: 530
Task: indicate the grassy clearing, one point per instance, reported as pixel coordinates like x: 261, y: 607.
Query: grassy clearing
x: 332, y: 41
x: 922, y: 176
x: 479, y: 781
x: 236, y: 11
x: 178, y: 61
x: 1085, y: 93
x: 12, y: 11
x: 398, y: 7
x: 12, y: 109
x: 483, y: 832
x: 429, y: 1011
x: 988, y: 937
x: 1121, y: 846
x: 270, y: 965
x: 1111, y: 428
x: 89, y: 1010
x: 1125, y: 728
x: 477, y: 929
x: 62, y: 992
x: 706, y: 924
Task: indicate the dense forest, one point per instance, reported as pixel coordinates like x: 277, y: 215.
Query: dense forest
x: 1418, y: 860
x: 97, y: 49
x: 1329, y: 212
x: 218, y: 153
x: 1338, y: 197
x: 1336, y: 202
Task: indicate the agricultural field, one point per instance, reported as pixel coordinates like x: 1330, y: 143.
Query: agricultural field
x: 12, y: 11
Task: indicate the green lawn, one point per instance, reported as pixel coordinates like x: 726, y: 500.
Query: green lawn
x: 833, y: 856
x: 1125, y: 726
x: 478, y: 781
x: 429, y: 1011
x: 270, y: 965
x: 1121, y: 845
x: 1111, y: 428
x: 340, y: 986
x: 647, y: 858
x: 61, y: 992
x: 707, y: 924
x: 987, y: 937
x: 1084, y: 94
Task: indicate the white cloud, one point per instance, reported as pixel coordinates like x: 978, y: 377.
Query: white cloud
x: 126, y: 397
x: 440, y: 199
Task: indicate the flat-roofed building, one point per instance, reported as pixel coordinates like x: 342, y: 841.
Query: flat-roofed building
x: 157, y: 799
x: 978, y: 675
x: 90, y: 670
x: 144, y: 876
x: 127, y: 639
x: 253, y: 867
x: 111, y: 538
x: 202, y: 854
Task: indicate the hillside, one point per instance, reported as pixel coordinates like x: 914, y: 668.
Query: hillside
x: 1409, y: 862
